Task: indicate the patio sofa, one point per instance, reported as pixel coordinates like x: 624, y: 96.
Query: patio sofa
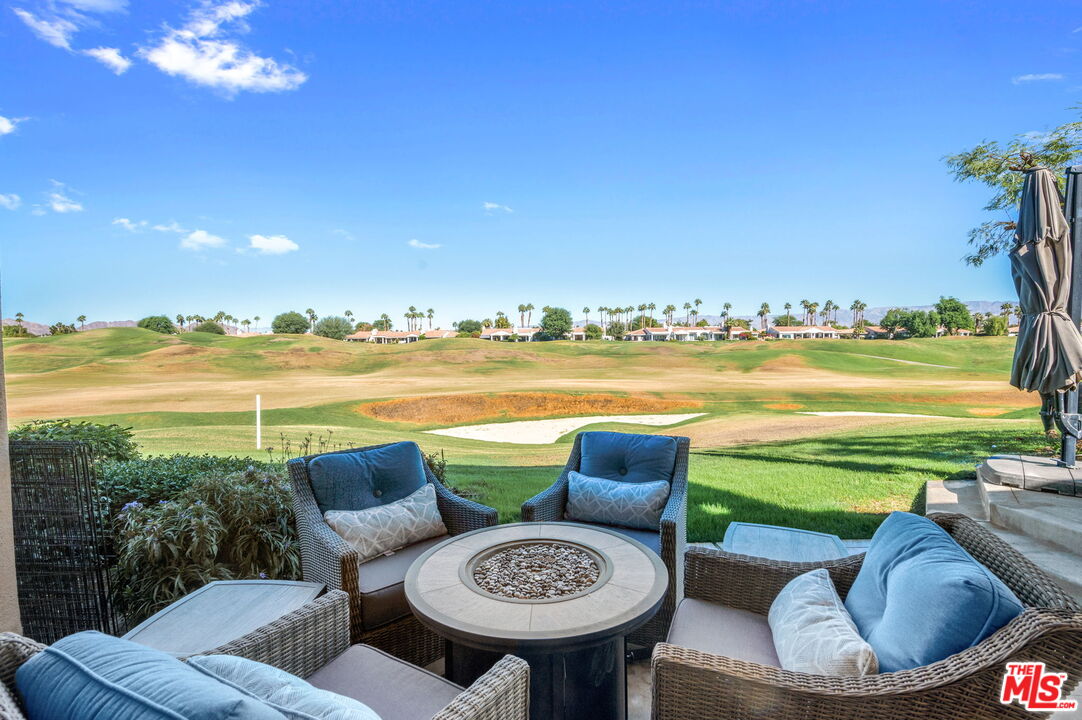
x: 632, y: 458
x: 379, y: 614
x: 313, y: 642
x: 746, y: 682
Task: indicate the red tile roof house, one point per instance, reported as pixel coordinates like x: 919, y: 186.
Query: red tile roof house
x: 577, y: 333
x: 738, y: 333
x: 523, y: 334
x: 439, y: 334
x: 802, y: 332
x: 383, y: 337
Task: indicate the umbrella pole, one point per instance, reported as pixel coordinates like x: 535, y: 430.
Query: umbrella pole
x: 1067, y: 415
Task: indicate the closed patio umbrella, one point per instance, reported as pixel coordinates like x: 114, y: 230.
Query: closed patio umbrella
x: 1048, y: 353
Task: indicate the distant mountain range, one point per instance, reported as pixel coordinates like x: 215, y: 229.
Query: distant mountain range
x: 35, y: 328
x: 845, y: 317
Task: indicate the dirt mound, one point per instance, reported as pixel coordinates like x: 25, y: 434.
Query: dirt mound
x: 468, y: 408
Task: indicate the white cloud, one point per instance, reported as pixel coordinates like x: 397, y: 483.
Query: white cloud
x: 491, y: 207
x: 1036, y: 77
x: 272, y: 244
x: 110, y: 58
x: 173, y: 226
x: 415, y: 243
x: 343, y: 233
x: 38, y: 210
x: 203, y: 52
x: 129, y: 225
x: 10, y: 201
x: 100, y: 6
x: 54, y: 30
x: 60, y: 202
x: 200, y: 240
x: 8, y: 125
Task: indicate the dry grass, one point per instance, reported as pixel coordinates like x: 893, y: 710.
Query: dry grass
x: 782, y: 363
x: 783, y: 406
x: 476, y: 407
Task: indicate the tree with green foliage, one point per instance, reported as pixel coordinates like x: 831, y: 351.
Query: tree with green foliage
x: 312, y: 317
x: 556, y: 322
x: 764, y: 313
x: 82, y: 322
x: 159, y: 324
x: 893, y: 321
x: 61, y: 329
x: 921, y: 323
x: 644, y: 321
x: 998, y: 166
x: 469, y: 326
x: 953, y: 315
x: 15, y: 331
x: 502, y: 322
x: 362, y: 326
x: 787, y: 320
x: 289, y: 323
x: 616, y: 330
x: 738, y: 322
x: 334, y: 327
x: 209, y: 326
x: 19, y: 319
x: 994, y: 325
x: 593, y: 332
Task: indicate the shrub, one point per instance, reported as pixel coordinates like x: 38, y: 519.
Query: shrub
x: 593, y: 332
x: 162, y: 477
x: 363, y: 326
x: 16, y: 331
x: 159, y: 324
x: 333, y: 327
x: 468, y: 327
x: 290, y: 323
x: 617, y: 330
x: 556, y: 323
x: 61, y: 329
x: 209, y: 326
x: 105, y: 442
x: 221, y: 528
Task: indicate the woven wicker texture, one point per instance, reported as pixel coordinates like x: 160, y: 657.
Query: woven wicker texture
x: 549, y: 505
x: 327, y: 558
x: 692, y: 685
x: 59, y: 540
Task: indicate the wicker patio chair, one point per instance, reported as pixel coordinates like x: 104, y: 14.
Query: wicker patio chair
x: 669, y: 540
x: 327, y: 558
x: 313, y: 642
x: 693, y: 685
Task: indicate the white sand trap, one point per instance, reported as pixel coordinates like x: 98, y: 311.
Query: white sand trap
x: 545, y: 432
x: 855, y: 413
x: 907, y: 362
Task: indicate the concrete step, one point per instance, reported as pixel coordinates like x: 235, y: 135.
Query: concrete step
x: 1048, y: 517
x: 955, y: 496
x: 1064, y: 567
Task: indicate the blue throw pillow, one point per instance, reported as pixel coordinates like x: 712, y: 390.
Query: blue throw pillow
x: 920, y: 597
x: 632, y: 505
x: 92, y: 676
x: 366, y: 478
x: 628, y: 458
x: 295, y: 698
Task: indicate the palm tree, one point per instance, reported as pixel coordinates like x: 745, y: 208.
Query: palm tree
x: 311, y: 317
x: 642, y: 315
x: 669, y: 310
x: 430, y: 313
x: 1007, y: 309
x: 348, y: 315
x: 725, y: 311
x: 529, y: 313
x: 697, y: 302
x: 256, y: 319
x: 828, y: 307
x: 978, y: 320
x: 586, y: 312
x: 813, y: 310
x: 764, y: 310
x: 522, y: 314
x: 82, y: 321
x: 804, y: 304
x: 19, y: 319
x: 246, y: 323
x: 788, y: 307
x: 179, y: 318
x: 687, y: 313
x: 651, y: 307
x: 858, y: 312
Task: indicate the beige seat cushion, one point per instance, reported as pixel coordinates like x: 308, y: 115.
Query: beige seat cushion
x: 383, y: 597
x: 395, y: 689
x: 724, y: 631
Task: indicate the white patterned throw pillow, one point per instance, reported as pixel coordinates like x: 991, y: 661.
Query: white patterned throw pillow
x: 628, y: 504
x: 376, y: 530
x: 813, y: 632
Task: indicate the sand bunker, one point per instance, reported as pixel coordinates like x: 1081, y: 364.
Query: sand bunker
x: 854, y: 413
x: 545, y: 432
x: 464, y: 408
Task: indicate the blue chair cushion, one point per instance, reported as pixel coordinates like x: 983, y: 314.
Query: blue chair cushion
x: 366, y: 478
x: 92, y: 676
x: 920, y: 597
x: 626, y: 457
x: 632, y: 505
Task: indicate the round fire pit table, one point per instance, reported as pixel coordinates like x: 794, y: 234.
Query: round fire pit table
x: 561, y: 596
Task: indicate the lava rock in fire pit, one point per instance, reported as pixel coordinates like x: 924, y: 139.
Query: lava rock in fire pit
x: 538, y: 571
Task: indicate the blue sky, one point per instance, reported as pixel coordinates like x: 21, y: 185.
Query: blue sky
x: 472, y: 156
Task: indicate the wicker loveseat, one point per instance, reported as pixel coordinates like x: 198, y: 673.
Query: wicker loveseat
x: 379, y: 615
x: 313, y: 643
x: 693, y: 685
x: 668, y: 540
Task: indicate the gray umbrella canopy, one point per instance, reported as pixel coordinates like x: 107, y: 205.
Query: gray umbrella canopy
x: 1048, y: 354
